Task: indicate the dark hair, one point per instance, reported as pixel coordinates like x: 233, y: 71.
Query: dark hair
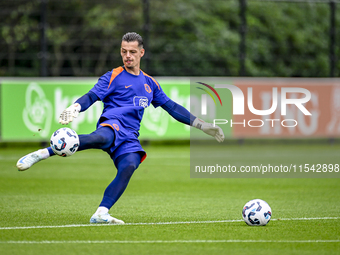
x: 132, y: 37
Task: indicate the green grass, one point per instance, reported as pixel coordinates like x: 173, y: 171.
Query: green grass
x: 66, y: 191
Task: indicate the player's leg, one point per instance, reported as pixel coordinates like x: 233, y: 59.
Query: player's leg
x: 126, y: 164
x: 102, y: 138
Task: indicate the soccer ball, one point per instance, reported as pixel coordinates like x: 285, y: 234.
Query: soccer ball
x: 256, y: 213
x: 64, y: 142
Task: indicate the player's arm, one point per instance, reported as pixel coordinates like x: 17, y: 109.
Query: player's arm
x: 181, y: 114
x: 98, y: 92
x: 82, y: 104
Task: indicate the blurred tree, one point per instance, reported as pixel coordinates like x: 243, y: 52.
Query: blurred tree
x: 287, y: 39
x: 63, y: 20
x: 18, y: 30
x: 186, y: 37
x: 105, y: 25
x: 194, y: 37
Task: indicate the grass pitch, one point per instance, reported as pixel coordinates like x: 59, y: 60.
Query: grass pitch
x: 46, y: 210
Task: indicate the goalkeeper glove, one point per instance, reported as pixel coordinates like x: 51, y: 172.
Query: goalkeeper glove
x: 69, y: 113
x: 210, y: 129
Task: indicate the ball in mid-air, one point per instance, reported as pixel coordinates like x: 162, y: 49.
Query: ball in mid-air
x: 256, y: 212
x: 64, y: 142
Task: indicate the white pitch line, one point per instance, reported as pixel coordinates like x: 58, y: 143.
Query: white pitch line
x: 129, y: 224
x: 161, y: 223
x: 164, y: 241
x: 315, y: 218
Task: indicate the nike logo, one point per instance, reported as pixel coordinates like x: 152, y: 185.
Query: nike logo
x: 22, y: 160
x: 128, y: 86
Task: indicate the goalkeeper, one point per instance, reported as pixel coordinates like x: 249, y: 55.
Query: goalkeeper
x: 125, y: 92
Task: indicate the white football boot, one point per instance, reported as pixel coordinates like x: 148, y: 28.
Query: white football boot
x: 105, y: 218
x: 30, y: 159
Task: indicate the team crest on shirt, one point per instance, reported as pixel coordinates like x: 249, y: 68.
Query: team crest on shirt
x: 141, y: 101
x: 147, y: 88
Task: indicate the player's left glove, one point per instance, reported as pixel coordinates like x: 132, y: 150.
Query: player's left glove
x: 210, y: 129
x: 69, y: 113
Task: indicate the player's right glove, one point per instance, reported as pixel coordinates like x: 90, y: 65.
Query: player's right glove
x: 69, y: 113
x: 210, y: 129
